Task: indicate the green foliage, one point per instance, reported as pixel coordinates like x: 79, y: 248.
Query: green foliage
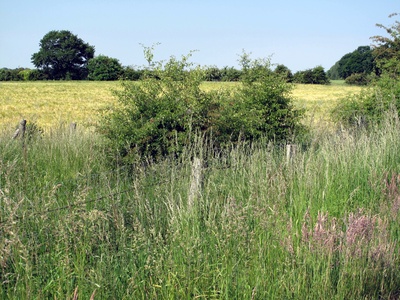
x: 387, y: 49
x: 104, y: 68
x: 157, y: 116
x: 261, y: 107
x: 21, y: 74
x: 333, y: 72
x: 230, y: 74
x: 325, y: 225
x: 160, y: 114
x: 316, y: 75
x: 370, y: 106
x: 358, y: 79
x: 130, y: 73
x: 63, y: 55
x: 357, y: 62
x: 384, y: 92
x: 285, y: 72
x: 213, y: 73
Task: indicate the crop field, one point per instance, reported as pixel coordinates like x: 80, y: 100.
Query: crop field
x: 52, y: 104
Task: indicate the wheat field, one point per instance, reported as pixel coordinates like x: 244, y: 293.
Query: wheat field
x: 55, y: 103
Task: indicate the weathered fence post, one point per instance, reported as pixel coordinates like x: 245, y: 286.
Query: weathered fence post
x: 195, y: 182
x: 290, y: 152
x: 72, y: 127
x: 20, y: 132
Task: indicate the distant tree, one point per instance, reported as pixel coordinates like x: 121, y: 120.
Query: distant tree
x: 333, y: 72
x: 316, y: 75
x: 212, y: 74
x: 356, y: 62
x: 130, y: 73
x: 104, y: 68
x: 63, y: 55
x: 230, y: 74
x: 387, y: 49
x: 284, y: 72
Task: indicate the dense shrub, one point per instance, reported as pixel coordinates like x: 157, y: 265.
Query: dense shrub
x: 20, y: 74
x: 261, y: 107
x: 167, y: 108
x: 285, y: 72
x: 225, y: 74
x: 156, y: 116
x: 358, y: 79
x: 384, y: 92
x: 212, y: 74
x: 316, y: 75
x: 12, y: 74
x: 369, y: 106
x: 104, y: 68
x: 130, y: 73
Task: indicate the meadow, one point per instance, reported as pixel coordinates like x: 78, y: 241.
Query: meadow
x: 246, y: 223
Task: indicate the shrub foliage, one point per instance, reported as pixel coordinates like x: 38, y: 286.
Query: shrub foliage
x: 162, y: 113
x: 104, y: 68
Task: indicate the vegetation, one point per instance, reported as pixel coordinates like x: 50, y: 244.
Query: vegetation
x: 358, y: 79
x: 104, y: 68
x: 384, y: 92
x: 316, y: 75
x: 387, y: 50
x: 63, y: 55
x: 161, y: 114
x: 53, y: 103
x: 360, y: 61
x: 188, y: 191
x: 324, y: 225
x: 284, y: 72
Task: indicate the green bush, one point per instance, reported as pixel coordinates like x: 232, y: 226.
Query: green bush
x: 261, y: 107
x: 212, y: 74
x: 358, y: 79
x: 167, y: 109
x: 129, y: 73
x: 157, y: 115
x: 284, y: 72
x: 316, y: 75
x: 104, y: 68
x: 369, y: 106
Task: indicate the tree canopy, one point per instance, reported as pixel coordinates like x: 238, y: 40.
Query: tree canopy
x: 63, y: 55
x: 104, y: 68
x: 359, y: 61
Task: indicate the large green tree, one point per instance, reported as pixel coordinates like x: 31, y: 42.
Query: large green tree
x: 63, y: 55
x: 356, y: 62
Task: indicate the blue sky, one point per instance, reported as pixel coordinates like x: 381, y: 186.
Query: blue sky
x: 298, y: 34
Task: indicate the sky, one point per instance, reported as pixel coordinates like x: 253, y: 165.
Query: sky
x: 301, y: 34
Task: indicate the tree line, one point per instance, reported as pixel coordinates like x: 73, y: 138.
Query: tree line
x: 65, y: 56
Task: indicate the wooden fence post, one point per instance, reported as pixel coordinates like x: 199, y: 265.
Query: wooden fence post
x: 20, y: 132
x: 72, y: 127
x: 195, y: 182
x: 290, y: 152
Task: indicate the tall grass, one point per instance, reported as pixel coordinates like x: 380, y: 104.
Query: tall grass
x: 324, y: 225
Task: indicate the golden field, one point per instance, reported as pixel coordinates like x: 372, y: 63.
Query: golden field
x: 56, y: 103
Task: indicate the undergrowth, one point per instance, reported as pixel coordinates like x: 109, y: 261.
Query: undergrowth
x: 322, y: 225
